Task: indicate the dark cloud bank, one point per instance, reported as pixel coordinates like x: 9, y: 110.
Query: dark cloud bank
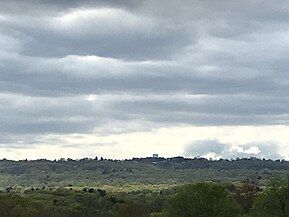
x: 73, y: 66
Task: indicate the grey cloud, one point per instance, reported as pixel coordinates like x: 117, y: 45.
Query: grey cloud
x: 203, y: 147
x: 26, y: 115
x: 106, y: 114
x: 55, y: 6
x: 158, y: 63
x: 73, y: 75
x: 207, y: 110
x: 104, y: 32
x: 23, y: 141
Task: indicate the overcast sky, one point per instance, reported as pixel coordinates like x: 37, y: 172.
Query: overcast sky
x: 130, y: 78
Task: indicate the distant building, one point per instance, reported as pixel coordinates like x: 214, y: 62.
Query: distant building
x: 155, y: 155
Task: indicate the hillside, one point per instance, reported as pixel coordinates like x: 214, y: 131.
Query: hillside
x: 136, y: 171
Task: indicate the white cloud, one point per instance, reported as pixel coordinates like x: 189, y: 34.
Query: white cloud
x: 214, y: 149
x: 252, y: 150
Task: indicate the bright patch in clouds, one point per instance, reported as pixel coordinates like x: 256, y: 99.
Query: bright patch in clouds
x: 101, y: 21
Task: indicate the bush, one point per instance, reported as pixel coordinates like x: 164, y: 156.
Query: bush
x: 274, y: 201
x: 202, y: 200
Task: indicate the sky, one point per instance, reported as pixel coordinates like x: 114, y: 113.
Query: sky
x: 122, y: 79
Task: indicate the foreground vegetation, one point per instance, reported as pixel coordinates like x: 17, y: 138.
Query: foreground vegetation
x: 202, y: 199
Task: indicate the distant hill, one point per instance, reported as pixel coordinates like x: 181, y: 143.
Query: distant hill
x: 151, y: 170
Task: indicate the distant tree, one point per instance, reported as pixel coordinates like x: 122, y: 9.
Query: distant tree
x: 9, y: 189
x: 90, y: 190
x: 131, y: 209
x: 101, y: 192
x: 55, y: 201
x: 246, y: 193
x: 202, y: 200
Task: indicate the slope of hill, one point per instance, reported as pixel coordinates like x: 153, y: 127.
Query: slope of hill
x: 136, y: 171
